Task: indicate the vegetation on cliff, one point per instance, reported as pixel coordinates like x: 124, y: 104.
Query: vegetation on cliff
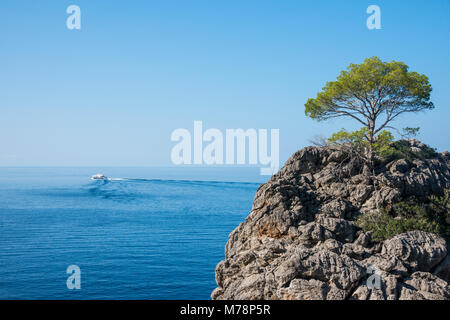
x: 431, y: 214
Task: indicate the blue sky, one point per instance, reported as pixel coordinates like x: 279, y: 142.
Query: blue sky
x: 111, y: 93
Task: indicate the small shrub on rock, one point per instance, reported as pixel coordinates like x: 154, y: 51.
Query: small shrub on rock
x: 401, y: 149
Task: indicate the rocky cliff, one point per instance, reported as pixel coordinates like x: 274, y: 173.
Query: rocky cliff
x: 300, y: 240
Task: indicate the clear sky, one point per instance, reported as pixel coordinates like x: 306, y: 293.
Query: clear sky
x: 111, y: 93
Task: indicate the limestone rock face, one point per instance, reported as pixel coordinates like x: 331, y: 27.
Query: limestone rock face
x: 419, y: 250
x: 300, y: 242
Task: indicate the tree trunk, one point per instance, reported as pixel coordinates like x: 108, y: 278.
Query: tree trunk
x: 369, y: 165
x: 369, y: 168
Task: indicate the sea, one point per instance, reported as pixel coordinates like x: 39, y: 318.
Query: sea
x: 145, y: 233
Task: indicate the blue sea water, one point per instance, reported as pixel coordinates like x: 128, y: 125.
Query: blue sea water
x: 157, y: 234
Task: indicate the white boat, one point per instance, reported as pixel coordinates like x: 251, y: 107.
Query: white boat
x: 99, y: 176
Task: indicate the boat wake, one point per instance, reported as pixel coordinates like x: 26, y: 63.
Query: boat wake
x: 104, y: 178
x: 100, y: 176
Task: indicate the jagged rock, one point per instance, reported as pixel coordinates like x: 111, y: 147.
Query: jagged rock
x: 421, y: 251
x: 387, y: 290
x: 400, y: 166
x: 364, y: 239
x: 443, y: 269
x: 299, y: 240
x: 386, y: 263
x: 360, y: 193
x: 424, y: 286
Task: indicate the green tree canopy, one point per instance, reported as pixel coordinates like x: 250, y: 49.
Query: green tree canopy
x: 374, y: 93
